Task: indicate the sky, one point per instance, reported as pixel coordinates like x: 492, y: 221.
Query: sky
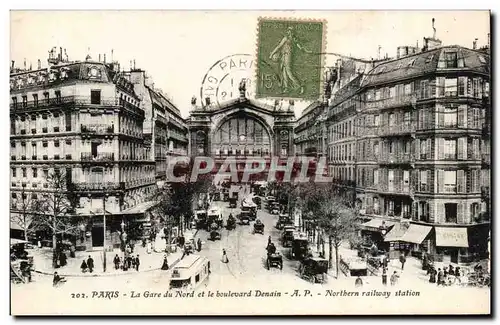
x: 177, y: 48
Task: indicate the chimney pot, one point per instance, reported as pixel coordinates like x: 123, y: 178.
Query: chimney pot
x: 99, y: 57
x: 104, y: 57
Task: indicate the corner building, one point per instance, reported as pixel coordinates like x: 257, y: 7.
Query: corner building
x: 83, y: 118
x: 415, y: 129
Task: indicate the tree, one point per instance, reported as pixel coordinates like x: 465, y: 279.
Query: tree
x: 23, y: 215
x: 338, y: 219
x: 55, y: 210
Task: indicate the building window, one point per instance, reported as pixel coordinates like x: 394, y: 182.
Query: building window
x: 450, y: 181
x: 14, y: 102
x: 391, y: 180
x: 45, y: 144
x: 46, y: 173
x: 376, y: 120
x: 35, y: 172
x: 95, y: 97
x: 14, y: 172
x: 35, y: 99
x: 375, y: 177
x: 392, y: 119
x: 25, y: 101
x: 450, y: 87
x: 424, y: 89
x: 451, y: 59
x: 462, y: 84
x: 406, y: 180
x: 423, y: 180
x: 450, y: 149
x: 450, y: 116
x: 450, y: 211
x: 24, y: 172
x: 407, y: 118
x: 46, y: 96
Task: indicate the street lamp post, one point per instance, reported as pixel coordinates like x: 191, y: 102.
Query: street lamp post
x: 104, y: 229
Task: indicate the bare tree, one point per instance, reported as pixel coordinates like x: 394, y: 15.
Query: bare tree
x: 23, y: 214
x: 55, y: 210
x: 338, y: 219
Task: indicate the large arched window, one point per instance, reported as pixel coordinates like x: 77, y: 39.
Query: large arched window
x: 240, y: 136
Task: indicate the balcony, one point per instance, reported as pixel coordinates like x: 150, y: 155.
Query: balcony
x: 395, y: 130
x: 396, y: 189
x: 177, y: 136
x: 396, y: 158
x: 97, y: 186
x: 100, y: 157
x: 486, y: 159
x: 97, y: 129
x: 43, y: 103
x: 405, y: 100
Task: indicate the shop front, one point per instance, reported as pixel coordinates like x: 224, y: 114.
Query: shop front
x: 374, y: 231
x: 452, y: 244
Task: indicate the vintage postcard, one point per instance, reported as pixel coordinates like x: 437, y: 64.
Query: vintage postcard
x: 250, y: 163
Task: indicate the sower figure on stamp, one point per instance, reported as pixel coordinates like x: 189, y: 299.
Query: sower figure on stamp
x: 284, y: 48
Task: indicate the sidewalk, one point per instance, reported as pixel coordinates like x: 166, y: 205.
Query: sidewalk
x: 42, y: 259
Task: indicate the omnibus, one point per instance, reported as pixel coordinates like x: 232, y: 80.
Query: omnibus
x: 190, y: 272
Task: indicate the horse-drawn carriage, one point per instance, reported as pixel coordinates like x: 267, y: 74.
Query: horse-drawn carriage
x: 258, y: 227
x: 233, y: 202
x: 231, y: 222
x: 200, y: 218
x: 214, y: 232
x: 284, y: 220
x: 274, y: 258
x: 274, y: 208
x: 300, y: 246
x: 244, y: 217
x: 287, y: 236
x: 314, y: 269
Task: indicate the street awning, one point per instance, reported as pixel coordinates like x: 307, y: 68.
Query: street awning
x: 140, y: 208
x: 15, y: 241
x: 451, y: 237
x: 376, y: 224
x: 397, y: 232
x: 416, y: 234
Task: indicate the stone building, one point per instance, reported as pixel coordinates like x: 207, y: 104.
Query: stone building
x: 410, y: 138
x: 83, y: 119
x: 240, y: 129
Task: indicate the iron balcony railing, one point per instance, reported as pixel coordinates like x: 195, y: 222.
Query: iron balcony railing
x: 97, y: 186
x: 97, y: 128
x: 392, y: 102
x: 396, y: 158
x: 395, y: 130
x: 102, y: 156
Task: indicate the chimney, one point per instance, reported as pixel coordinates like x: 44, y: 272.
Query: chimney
x: 134, y: 64
x: 112, y: 55
x: 474, y: 44
x: 60, y: 53
x: 131, y: 65
x: 378, y: 55
x: 39, y: 64
x: 488, y: 40
x: 12, y: 64
x: 104, y: 57
x: 24, y: 63
x: 99, y: 57
x: 207, y: 101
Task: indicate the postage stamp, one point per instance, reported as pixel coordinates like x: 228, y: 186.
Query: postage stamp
x: 289, y: 58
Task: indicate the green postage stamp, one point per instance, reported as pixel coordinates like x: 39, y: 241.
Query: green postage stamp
x: 290, y: 58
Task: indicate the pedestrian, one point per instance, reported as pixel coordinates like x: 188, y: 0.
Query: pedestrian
x: 84, y: 266
x: 62, y: 259
x: 57, y: 279
x: 394, y: 278
x: 90, y: 264
x: 224, y: 256
x: 116, y: 261
x: 137, y: 263
x: 384, y: 276
x: 165, y: 267
x: 402, y: 259
x: 440, y: 277
x: 72, y: 251
x: 445, y: 271
x: 199, y: 244
x: 359, y: 282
